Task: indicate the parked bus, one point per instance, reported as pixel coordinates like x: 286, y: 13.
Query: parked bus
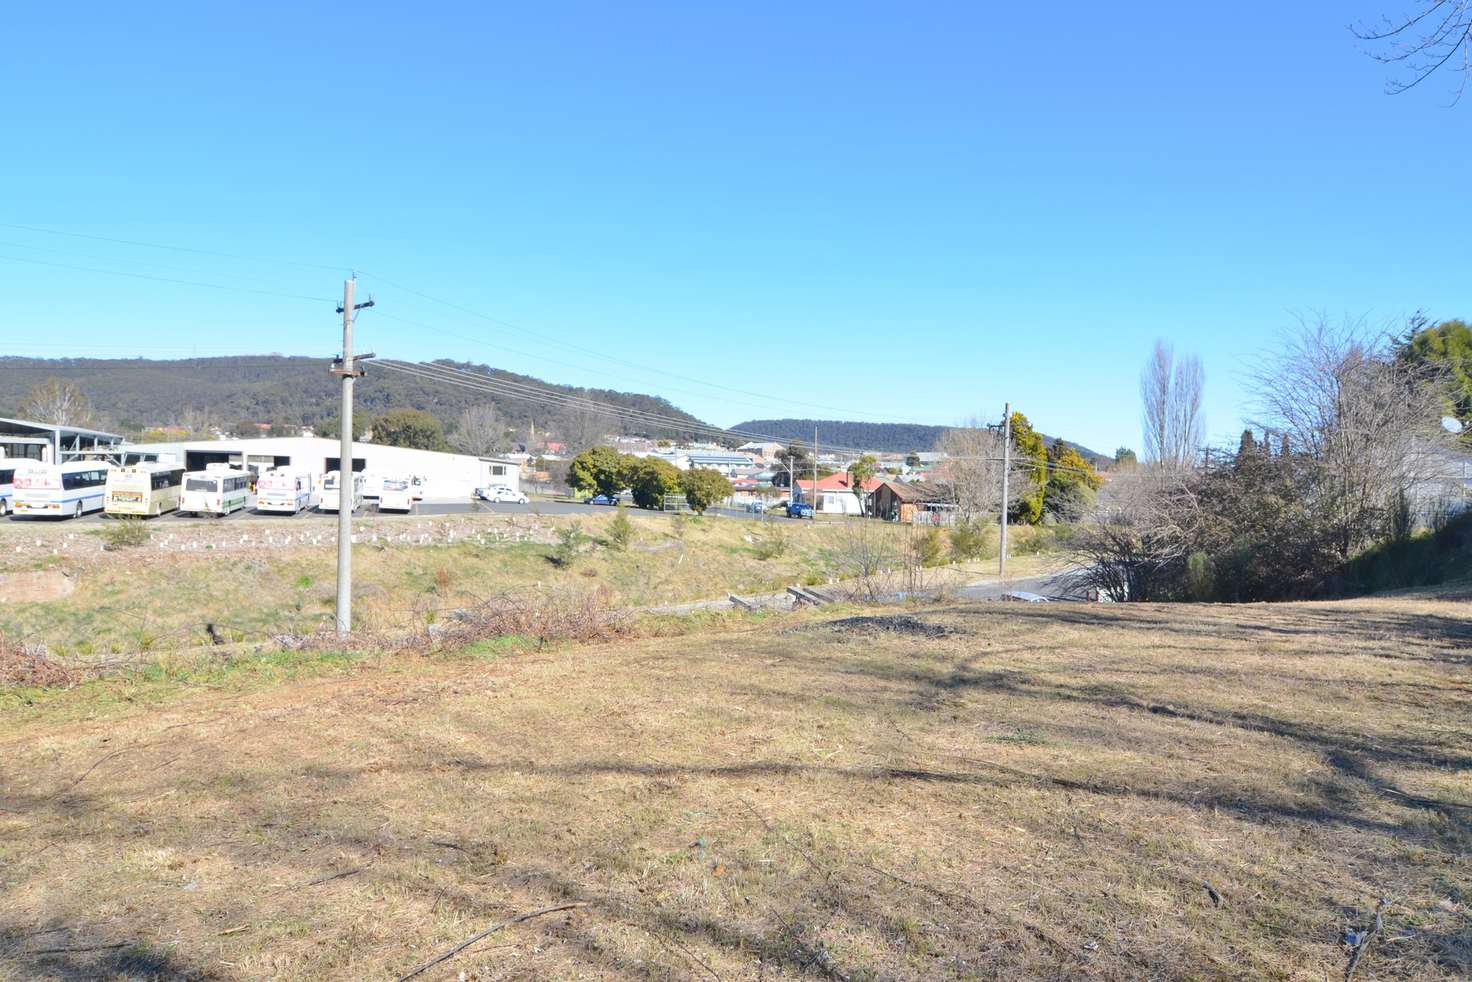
x: 217, y: 491
x: 7, y: 487
x: 372, y: 485
x: 143, y: 489
x: 330, y: 494
x: 285, y: 491
x: 60, y: 490
x: 397, y: 494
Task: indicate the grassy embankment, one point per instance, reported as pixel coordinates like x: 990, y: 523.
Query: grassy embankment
x: 1008, y: 791
x: 142, y: 600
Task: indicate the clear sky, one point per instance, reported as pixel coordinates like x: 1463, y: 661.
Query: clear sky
x: 902, y: 211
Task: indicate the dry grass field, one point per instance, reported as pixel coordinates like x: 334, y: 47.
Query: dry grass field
x: 946, y: 791
x: 148, y: 601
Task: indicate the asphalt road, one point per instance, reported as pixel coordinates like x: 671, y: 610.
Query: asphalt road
x: 1054, y: 585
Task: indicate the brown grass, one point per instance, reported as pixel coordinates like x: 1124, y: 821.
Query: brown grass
x: 982, y: 791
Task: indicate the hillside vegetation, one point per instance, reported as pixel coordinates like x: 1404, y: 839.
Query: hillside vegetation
x: 884, y: 437
x: 972, y: 791
x: 133, y: 394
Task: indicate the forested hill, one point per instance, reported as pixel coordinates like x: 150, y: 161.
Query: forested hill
x: 887, y: 437
x: 135, y: 394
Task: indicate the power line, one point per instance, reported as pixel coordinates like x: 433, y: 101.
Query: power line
x: 170, y: 248
x: 592, y: 352
x: 518, y: 390
x: 165, y: 279
x: 545, y: 338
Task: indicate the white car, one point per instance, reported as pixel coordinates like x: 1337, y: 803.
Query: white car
x: 498, y: 492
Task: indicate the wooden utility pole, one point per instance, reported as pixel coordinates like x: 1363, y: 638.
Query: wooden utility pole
x: 345, y: 485
x: 814, y: 502
x: 1006, y: 473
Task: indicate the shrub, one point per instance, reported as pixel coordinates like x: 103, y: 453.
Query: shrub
x: 771, y: 546
x: 704, y: 487
x: 968, y: 539
x: 930, y: 547
x: 570, y: 540
x: 125, y: 533
x: 1200, y: 576
x: 1039, y: 542
x: 620, y: 531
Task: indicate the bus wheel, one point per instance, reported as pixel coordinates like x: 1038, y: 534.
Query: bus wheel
x: 78, y: 512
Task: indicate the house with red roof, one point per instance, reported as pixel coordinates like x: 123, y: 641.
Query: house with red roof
x: 835, y: 494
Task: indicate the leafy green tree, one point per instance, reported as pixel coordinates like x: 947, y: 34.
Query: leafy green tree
x: 860, y: 471
x: 330, y: 427
x: 1072, y: 483
x: 597, y: 470
x: 1447, y: 347
x: 1032, y: 460
x: 912, y: 459
x: 650, y: 479
x: 1125, y: 459
x: 412, y: 428
x: 704, y: 487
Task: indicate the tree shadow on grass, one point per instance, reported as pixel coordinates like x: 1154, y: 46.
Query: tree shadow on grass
x: 63, y: 954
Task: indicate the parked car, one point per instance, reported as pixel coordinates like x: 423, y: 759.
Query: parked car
x: 603, y: 499
x: 799, y: 509
x: 756, y: 507
x: 498, y: 492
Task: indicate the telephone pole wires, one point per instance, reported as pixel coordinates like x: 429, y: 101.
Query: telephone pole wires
x: 348, y: 371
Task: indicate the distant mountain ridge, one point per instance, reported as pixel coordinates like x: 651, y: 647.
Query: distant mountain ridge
x: 884, y: 437
x: 132, y: 394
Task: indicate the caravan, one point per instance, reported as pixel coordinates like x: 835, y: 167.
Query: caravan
x: 331, y: 497
x: 286, y: 491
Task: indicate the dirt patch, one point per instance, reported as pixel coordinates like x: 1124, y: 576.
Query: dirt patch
x: 33, y: 587
x: 891, y: 624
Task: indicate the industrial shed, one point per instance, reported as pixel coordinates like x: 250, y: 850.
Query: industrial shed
x: 446, y: 476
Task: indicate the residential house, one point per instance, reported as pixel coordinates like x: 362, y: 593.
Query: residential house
x: 835, y: 494
x: 911, y: 502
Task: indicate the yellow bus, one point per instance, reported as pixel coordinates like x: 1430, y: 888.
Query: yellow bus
x: 146, y: 489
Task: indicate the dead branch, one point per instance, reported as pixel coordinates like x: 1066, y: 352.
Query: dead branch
x: 484, y: 934
x: 1364, y: 943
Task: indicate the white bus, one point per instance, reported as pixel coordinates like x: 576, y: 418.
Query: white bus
x: 60, y: 490
x: 217, y: 491
x: 397, y: 494
x: 330, y: 494
x: 7, y: 486
x: 143, y: 489
x: 286, y: 491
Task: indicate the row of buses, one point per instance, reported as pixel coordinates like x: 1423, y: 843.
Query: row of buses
x: 151, y: 488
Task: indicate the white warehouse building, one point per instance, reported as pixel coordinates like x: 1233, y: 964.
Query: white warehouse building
x: 446, y: 476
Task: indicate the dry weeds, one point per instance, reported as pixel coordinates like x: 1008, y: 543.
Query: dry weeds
x: 1042, y: 791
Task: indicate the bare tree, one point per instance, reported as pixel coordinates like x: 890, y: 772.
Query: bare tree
x: 973, y: 467
x: 1435, y: 34
x: 1170, y: 414
x: 479, y: 431
x: 58, y: 402
x: 583, y: 427
x: 1367, y: 424
x: 1135, y: 543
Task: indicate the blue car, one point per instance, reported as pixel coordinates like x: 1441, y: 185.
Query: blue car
x: 799, y: 509
x: 603, y: 499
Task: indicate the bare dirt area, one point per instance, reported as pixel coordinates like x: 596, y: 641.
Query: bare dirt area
x: 945, y: 791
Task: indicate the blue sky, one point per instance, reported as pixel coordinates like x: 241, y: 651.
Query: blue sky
x: 909, y: 212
